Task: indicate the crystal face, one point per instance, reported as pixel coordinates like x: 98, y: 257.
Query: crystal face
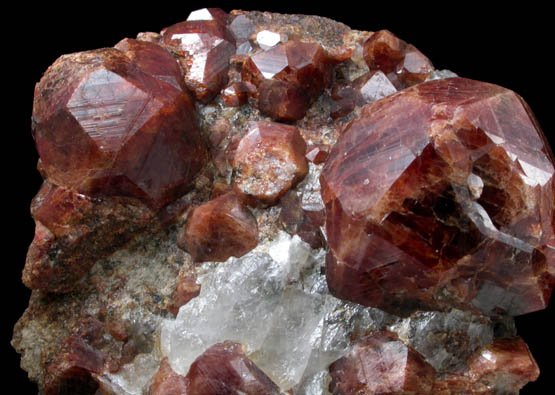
x: 288, y: 76
x: 449, y: 202
x: 256, y: 203
x: 203, y: 46
x: 104, y: 125
x: 220, y: 228
x: 269, y: 161
x: 381, y: 364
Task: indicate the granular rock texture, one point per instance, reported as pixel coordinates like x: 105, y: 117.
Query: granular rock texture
x: 256, y: 203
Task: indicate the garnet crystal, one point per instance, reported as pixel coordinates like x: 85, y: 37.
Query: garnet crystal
x: 269, y: 161
x: 104, y: 125
x: 382, y: 364
x: 257, y: 203
x: 203, y: 46
x: 289, y: 77
x: 439, y: 196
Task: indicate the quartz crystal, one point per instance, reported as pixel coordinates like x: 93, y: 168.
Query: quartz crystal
x: 256, y: 203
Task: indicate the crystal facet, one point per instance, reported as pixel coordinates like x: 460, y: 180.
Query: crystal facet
x: 436, y: 205
x: 104, y: 125
x: 269, y: 161
x: 203, y: 46
x: 399, y: 217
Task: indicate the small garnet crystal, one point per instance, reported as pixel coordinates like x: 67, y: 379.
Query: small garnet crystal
x: 263, y: 204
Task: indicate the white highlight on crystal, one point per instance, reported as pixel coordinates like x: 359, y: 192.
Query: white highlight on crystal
x: 267, y: 39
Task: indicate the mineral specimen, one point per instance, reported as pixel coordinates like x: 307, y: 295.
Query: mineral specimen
x: 255, y: 203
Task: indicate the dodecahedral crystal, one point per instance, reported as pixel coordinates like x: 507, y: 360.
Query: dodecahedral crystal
x: 382, y: 364
x: 218, y: 229
x: 257, y: 203
x: 289, y: 77
x: 269, y: 161
x: 104, y: 125
x: 442, y: 195
x: 203, y: 46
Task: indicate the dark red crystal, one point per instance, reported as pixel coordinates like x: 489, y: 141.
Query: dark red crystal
x: 203, y: 46
x: 153, y: 60
x: 288, y: 77
x: 167, y: 382
x: 225, y: 369
x: 385, y: 52
x: 103, y: 125
x: 442, y: 195
x: 381, y: 364
x: 218, y: 229
x: 503, y: 367
x: 269, y: 161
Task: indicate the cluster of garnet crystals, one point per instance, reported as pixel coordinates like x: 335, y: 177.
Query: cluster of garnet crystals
x: 438, y: 196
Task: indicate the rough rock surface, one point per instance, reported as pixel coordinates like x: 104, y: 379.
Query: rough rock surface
x: 191, y: 249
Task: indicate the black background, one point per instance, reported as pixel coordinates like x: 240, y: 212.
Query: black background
x: 507, y: 46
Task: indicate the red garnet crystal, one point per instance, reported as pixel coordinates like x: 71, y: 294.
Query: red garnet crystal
x: 288, y: 77
x: 439, y: 196
x: 203, y: 46
x: 218, y: 229
x: 269, y: 161
x: 224, y: 368
x: 385, y: 52
x: 105, y: 124
x: 503, y: 367
x: 381, y: 364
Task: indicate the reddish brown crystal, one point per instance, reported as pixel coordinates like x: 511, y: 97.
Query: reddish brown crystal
x: 441, y: 195
x: 186, y: 289
x: 225, y: 369
x: 503, y: 367
x: 221, y: 228
x: 317, y: 153
x: 367, y: 88
x: 269, y: 161
x: 415, y: 67
x: 167, y: 382
x: 288, y: 77
x: 385, y: 52
x: 381, y: 364
x: 235, y: 95
x: 104, y: 126
x: 204, y: 47
x: 153, y: 60
x: 301, y: 222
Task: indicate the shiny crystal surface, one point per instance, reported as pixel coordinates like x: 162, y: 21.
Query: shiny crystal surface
x: 438, y: 204
x: 203, y: 46
x: 381, y: 364
x: 326, y: 213
x: 288, y: 76
x: 218, y: 229
x: 106, y: 126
